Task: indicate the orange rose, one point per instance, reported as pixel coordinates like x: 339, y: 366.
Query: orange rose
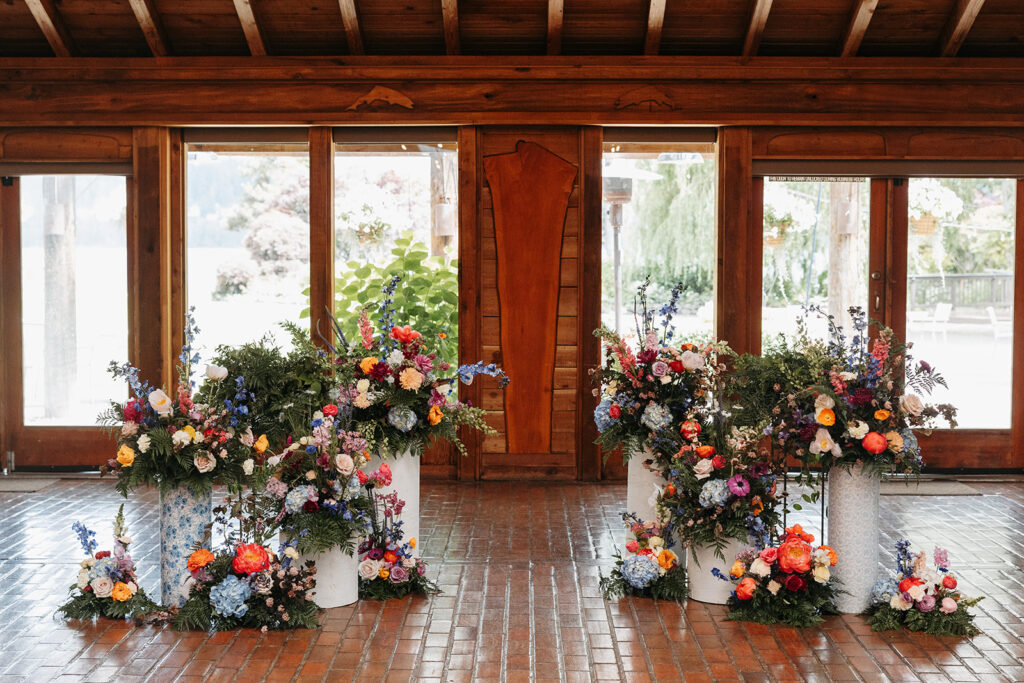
x: 250, y: 558
x: 705, y: 451
x: 832, y: 556
x: 435, y: 415
x: 199, y: 559
x: 121, y: 592
x: 667, y: 559
x: 745, y: 589
x: 827, y: 417
x: 882, y: 414
x: 795, y: 556
x: 873, y: 442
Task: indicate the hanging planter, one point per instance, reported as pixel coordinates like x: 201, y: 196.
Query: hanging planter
x: 853, y: 533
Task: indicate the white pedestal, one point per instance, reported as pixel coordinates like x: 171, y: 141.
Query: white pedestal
x: 642, y: 487
x: 853, y: 534
x: 703, y: 585
x: 405, y: 481
x: 337, y: 578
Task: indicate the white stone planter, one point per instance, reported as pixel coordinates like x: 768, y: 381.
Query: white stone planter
x: 642, y: 486
x: 703, y: 585
x: 405, y: 481
x: 337, y: 577
x: 853, y: 534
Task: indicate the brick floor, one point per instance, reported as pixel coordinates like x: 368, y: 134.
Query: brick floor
x: 519, y: 565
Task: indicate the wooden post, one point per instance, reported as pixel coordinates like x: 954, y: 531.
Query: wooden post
x: 321, y: 233
x: 470, y: 258
x: 589, y: 307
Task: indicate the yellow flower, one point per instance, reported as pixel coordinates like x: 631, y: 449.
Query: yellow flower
x: 894, y: 440
x: 827, y: 417
x: 190, y: 430
x: 412, y: 542
x: 667, y: 559
x: 367, y: 364
x: 738, y: 569
x: 383, y: 573
x: 435, y: 415
x: 882, y: 414
x: 125, y: 456
x: 261, y: 444
x: 121, y: 592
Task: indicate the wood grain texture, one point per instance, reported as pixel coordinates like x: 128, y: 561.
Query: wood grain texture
x: 1017, y: 415
x: 251, y: 28
x: 11, y: 371
x: 321, y: 234
x: 450, y: 12
x: 89, y: 145
x: 860, y: 19
x: 655, y: 24
x: 755, y: 31
x: 152, y: 27
x: 470, y: 285
x: 959, y: 25
x: 52, y: 25
x: 350, y: 18
x: 530, y: 189
x: 556, y: 15
x: 588, y: 456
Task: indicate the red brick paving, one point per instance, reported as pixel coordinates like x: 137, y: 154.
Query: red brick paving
x: 519, y: 566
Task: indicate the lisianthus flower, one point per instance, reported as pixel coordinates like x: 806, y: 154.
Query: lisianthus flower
x: 705, y: 451
x: 405, y: 335
x: 873, y: 442
x: 250, y: 558
x: 739, y: 486
x: 745, y: 589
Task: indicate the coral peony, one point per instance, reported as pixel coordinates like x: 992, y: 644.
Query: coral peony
x: 250, y: 558
x: 795, y: 556
x: 832, y: 556
x: 404, y: 334
x: 745, y: 589
x: 873, y: 442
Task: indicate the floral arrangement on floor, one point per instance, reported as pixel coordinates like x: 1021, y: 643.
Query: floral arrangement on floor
x: 169, y: 441
x: 387, y: 567
x: 107, y: 585
x: 921, y: 598
x: 320, y: 500
x: 789, y: 583
x: 650, y: 569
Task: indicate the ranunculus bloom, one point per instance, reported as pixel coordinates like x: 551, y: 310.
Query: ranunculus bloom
x: 676, y: 366
x: 948, y: 606
x: 632, y: 546
x: 250, y: 558
x: 926, y: 603
x: 160, y: 402
x: 718, y: 462
x: 948, y: 582
x: 330, y: 410
x: 797, y: 531
x: 909, y: 582
x: 390, y: 557
x: 795, y: 556
x: 125, y: 456
x: 368, y: 364
x: 795, y: 583
x: 435, y: 415
x: 745, y: 589
x: 690, y: 429
x: 121, y: 592
x: 769, y: 555
x: 404, y: 334
x: 882, y: 414
x: 738, y: 485
x: 873, y: 442
x: 199, y: 559
x: 826, y: 417
x: 615, y: 411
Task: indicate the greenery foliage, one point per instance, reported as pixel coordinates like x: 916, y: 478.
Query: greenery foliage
x: 800, y: 610
x: 960, y: 623
x: 671, y: 586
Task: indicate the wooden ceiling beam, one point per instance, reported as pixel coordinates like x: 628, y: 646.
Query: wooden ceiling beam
x: 758, y: 19
x: 350, y: 18
x: 858, y: 26
x: 50, y: 23
x: 253, y: 37
x: 450, y: 12
x: 152, y: 27
x: 958, y: 26
x: 655, y: 22
x: 556, y: 12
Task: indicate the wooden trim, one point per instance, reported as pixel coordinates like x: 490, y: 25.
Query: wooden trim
x: 450, y: 12
x: 588, y: 455
x: 556, y: 14
x: 1017, y: 416
x: 149, y: 21
x: 66, y: 145
x: 321, y: 234
x: 896, y: 256
x: 350, y: 17
x: 755, y: 31
x: 470, y: 283
x: 11, y: 380
x: 878, y: 288
x: 857, y: 27
x: 884, y: 143
x: 251, y: 28
x: 178, y: 242
x: 959, y: 25
x: 655, y: 23
x: 965, y: 449
x: 52, y: 25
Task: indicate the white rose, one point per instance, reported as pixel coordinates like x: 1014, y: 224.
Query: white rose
x: 204, y: 462
x: 181, y: 438
x: 409, y: 562
x: 101, y: 586
x: 857, y: 429
x: 760, y: 568
x: 160, y: 402
x: 691, y: 360
x: 344, y: 464
x: 83, y: 578
x: 368, y: 569
x: 912, y: 404
x: 823, y: 402
x: 248, y: 466
x: 655, y: 542
x: 216, y: 372
x: 129, y: 429
x: 362, y: 386
x: 703, y: 468
x: 143, y: 443
x: 821, y: 574
x: 774, y: 586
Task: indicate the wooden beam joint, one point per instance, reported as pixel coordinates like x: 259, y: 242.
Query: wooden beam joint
x: 52, y: 25
x: 858, y: 26
x: 958, y: 26
x: 152, y: 27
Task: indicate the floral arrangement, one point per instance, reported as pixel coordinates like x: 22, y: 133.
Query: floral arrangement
x: 387, y: 567
x: 107, y: 585
x: 650, y: 569
x: 789, y: 583
x: 921, y: 598
x: 321, y: 503
x: 169, y: 441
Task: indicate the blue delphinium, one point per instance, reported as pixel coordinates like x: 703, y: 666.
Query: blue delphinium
x: 714, y: 493
x: 639, y: 571
x: 904, y: 561
x: 656, y: 417
x: 402, y: 418
x: 387, y: 313
x: 602, y: 418
x: 466, y: 373
x: 228, y: 597
x: 86, y: 537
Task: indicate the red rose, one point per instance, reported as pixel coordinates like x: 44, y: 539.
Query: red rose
x: 330, y: 410
x: 632, y: 546
x: 676, y: 365
x: 310, y: 506
x: 250, y: 558
x: 101, y: 554
x: 690, y: 430
x: 948, y: 582
x: 615, y: 412
x: 795, y: 583
x: 718, y: 462
x: 873, y: 442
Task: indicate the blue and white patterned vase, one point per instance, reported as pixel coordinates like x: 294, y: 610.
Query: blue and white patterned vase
x: 183, y: 519
x: 853, y: 534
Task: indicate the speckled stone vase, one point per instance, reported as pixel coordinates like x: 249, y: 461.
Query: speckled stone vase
x: 183, y: 519
x: 853, y: 534
x: 705, y: 586
x: 642, y: 486
x: 405, y: 481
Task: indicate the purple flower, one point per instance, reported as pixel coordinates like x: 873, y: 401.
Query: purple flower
x: 436, y: 399
x: 659, y: 368
x: 421, y: 568
x: 927, y: 603
x: 375, y: 554
x: 905, y: 597
x: 400, y: 574
x: 739, y: 486
x: 423, y: 364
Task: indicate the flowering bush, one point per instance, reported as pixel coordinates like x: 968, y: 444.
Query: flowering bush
x: 789, y: 583
x: 387, y: 567
x: 107, y: 585
x: 650, y: 568
x: 921, y: 598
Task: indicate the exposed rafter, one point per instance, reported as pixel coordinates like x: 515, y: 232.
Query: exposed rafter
x: 958, y: 26
x: 758, y: 19
x: 858, y: 26
x: 450, y: 11
x: 152, y: 27
x: 351, y: 20
x: 556, y: 10
x: 251, y: 29
x: 50, y: 23
x: 655, y: 21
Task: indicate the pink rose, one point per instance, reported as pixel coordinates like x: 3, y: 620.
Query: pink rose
x: 769, y: 555
x: 632, y: 546
x: 948, y: 606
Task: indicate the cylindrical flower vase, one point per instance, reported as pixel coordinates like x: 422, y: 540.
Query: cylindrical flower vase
x: 705, y: 586
x: 853, y: 534
x: 642, y: 486
x: 183, y: 519
x: 405, y: 481
x: 337, y: 576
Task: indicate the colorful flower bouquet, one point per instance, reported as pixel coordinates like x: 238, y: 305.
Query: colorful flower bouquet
x: 650, y: 569
x: 789, y: 583
x: 921, y: 598
x: 107, y: 585
x: 387, y: 567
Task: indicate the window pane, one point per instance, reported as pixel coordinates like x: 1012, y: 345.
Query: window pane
x: 248, y: 241
x: 74, y: 296
x: 659, y: 220
x: 960, y: 291
x: 815, y: 252
x: 395, y: 212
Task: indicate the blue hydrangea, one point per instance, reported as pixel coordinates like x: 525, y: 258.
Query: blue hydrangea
x: 639, y: 571
x: 883, y: 590
x: 106, y: 566
x: 601, y: 417
x: 656, y: 417
x: 910, y: 444
x: 402, y: 418
x: 714, y: 493
x: 228, y: 597
x: 296, y: 498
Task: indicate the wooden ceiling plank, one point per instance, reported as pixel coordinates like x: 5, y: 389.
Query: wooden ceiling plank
x: 655, y: 22
x: 450, y: 11
x: 858, y: 26
x: 152, y: 27
x: 253, y: 37
x: 556, y: 12
x: 352, y: 32
x: 958, y: 26
x: 758, y: 19
x: 52, y: 25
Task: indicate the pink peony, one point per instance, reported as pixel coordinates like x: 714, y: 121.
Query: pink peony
x: 948, y: 606
x: 769, y: 555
